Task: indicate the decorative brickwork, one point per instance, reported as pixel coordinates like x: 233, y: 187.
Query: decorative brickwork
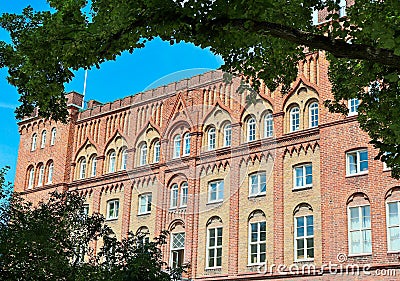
x: 137, y: 146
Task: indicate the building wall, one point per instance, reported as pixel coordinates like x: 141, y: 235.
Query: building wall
x: 192, y: 106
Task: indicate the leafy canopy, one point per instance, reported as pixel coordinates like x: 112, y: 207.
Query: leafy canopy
x: 54, y: 241
x: 263, y: 39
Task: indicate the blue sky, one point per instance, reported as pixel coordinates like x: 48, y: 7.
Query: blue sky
x: 158, y: 63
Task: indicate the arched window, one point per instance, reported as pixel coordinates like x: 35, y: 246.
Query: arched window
x: 41, y: 175
x: 268, y: 125
x: 313, y: 114
x: 186, y: 144
x: 214, y: 243
x: 143, y: 233
x: 53, y: 136
x: 93, y: 168
x: 227, y: 135
x: 303, y: 233
x: 156, y: 157
x: 31, y: 177
x: 211, y: 138
x: 43, y: 143
x: 359, y: 221
x: 111, y: 161
x: 174, y: 196
x: 143, y: 154
x: 257, y: 238
x: 184, y: 194
x: 82, y: 167
x: 124, y: 158
x: 34, y: 142
x: 294, y: 119
x: 393, y: 219
x: 251, y: 129
x: 50, y: 172
x: 177, y: 146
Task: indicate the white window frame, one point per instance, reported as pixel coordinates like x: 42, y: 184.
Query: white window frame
x: 143, y: 155
x: 50, y: 173
x: 41, y: 176
x: 295, y: 119
x: 82, y: 168
x: 313, y: 114
x: 268, y: 125
x: 215, y: 248
x: 174, y: 196
x: 251, y: 129
x: 186, y: 144
x: 227, y: 135
x: 156, y: 156
x: 258, y: 183
x: 124, y: 159
x: 43, y: 141
x: 114, y: 215
x: 145, y: 201
x: 304, y: 176
x: 305, y: 237
x: 358, y: 172
x: 34, y: 142
x: 184, y: 194
x: 177, y: 146
x: 259, y: 242
x: 93, y: 166
x: 111, y: 162
x: 212, y: 138
x: 218, y: 191
x: 353, y: 108
x: 172, y: 248
x: 31, y: 177
x: 53, y: 136
x: 361, y: 229
x: 389, y: 226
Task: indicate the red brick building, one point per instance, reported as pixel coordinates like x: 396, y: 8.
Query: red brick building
x: 277, y: 189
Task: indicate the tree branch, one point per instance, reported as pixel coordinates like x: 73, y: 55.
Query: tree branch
x: 337, y: 47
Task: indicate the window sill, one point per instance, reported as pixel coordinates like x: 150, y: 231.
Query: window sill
x: 256, y: 264
x: 352, y: 114
x: 143, y: 214
x: 217, y: 268
x: 303, y: 260
x: 356, y: 174
x: 254, y: 196
x: 394, y: 252
x: 111, y: 219
x: 300, y: 188
x: 215, y: 202
x: 359, y: 255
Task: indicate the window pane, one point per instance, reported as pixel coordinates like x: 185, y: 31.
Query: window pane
x: 366, y: 217
x: 367, y: 241
x: 354, y: 218
x: 254, y: 249
x: 310, y: 225
x: 211, y: 259
x: 355, y: 242
x: 262, y: 257
x: 300, y: 227
x: 393, y: 213
x: 394, y: 236
x: 352, y: 163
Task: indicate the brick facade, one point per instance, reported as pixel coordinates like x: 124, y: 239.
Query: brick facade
x: 195, y: 106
